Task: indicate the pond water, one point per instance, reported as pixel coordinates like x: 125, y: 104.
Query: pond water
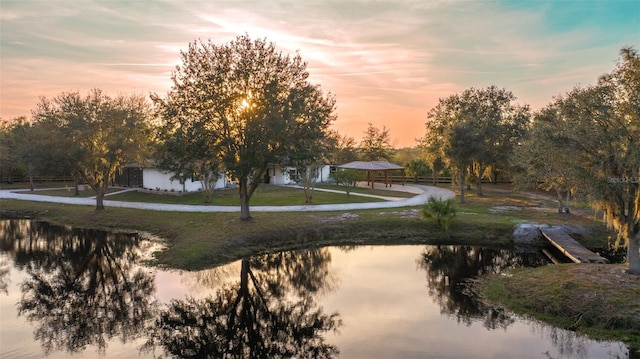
x: 77, y: 293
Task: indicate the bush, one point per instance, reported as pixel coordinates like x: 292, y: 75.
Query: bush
x: 348, y: 178
x: 442, y: 210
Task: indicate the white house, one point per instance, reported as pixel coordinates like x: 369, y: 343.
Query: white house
x: 282, y: 175
x: 153, y: 178
x: 148, y: 176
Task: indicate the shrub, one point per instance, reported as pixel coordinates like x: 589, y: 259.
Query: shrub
x: 442, y: 210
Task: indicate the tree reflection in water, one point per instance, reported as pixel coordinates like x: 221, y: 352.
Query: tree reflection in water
x: 4, y: 276
x: 448, y: 270
x: 269, y: 313
x: 83, y: 287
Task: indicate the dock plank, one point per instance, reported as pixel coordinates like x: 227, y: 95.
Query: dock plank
x: 570, y: 247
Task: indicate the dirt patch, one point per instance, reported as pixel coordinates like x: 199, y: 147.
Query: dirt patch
x: 501, y: 209
x: 339, y: 218
x: 409, y: 213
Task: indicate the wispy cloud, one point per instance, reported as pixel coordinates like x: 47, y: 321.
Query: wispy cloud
x: 387, y: 62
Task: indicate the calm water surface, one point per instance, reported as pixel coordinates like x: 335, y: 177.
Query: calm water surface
x: 74, y: 293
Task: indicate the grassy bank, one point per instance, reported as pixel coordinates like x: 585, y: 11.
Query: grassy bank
x: 201, y: 240
x: 598, y: 300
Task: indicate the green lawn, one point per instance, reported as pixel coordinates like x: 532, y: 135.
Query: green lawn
x: 265, y: 195
x: 396, y: 192
x: 68, y: 191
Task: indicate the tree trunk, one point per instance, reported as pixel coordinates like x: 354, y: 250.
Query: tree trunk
x: 100, y: 197
x: 560, y: 199
x: 633, y: 254
x: 434, y: 179
x: 244, y: 276
x: 462, y: 178
x: 30, y: 168
x: 479, y: 174
x: 76, y: 183
x: 243, y: 190
x: 308, y: 186
x: 308, y: 194
x: 566, y: 203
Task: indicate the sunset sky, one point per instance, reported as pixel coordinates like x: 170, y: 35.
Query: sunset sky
x: 386, y: 62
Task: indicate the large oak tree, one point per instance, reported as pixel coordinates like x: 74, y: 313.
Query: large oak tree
x: 598, y: 133
x: 541, y: 161
x: 96, y: 134
x: 254, y: 104
x: 475, y: 131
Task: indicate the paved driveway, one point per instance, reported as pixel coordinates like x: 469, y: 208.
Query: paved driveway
x: 422, y: 195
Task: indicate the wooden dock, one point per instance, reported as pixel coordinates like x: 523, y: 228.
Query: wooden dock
x: 570, y: 247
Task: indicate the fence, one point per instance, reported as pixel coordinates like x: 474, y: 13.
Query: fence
x: 36, y: 179
x: 426, y: 179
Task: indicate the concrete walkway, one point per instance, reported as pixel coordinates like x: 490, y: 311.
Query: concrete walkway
x: 422, y: 196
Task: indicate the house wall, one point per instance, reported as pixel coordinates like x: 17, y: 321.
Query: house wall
x: 323, y: 175
x: 279, y: 175
x: 156, y: 179
x: 153, y: 178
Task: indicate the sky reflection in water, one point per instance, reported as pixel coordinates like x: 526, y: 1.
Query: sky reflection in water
x: 66, y: 291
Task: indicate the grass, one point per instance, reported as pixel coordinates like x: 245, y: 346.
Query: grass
x: 39, y: 185
x: 67, y: 192
x: 201, y: 240
x: 264, y: 195
x: 368, y: 190
x: 600, y: 301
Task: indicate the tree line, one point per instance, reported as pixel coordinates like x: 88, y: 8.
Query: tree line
x: 234, y: 108
x: 239, y: 107
x: 585, y: 142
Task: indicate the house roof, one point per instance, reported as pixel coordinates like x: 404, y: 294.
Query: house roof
x: 371, y: 166
x: 144, y: 164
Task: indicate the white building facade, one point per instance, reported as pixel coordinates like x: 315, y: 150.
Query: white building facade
x: 283, y: 175
x: 155, y: 179
x: 152, y: 178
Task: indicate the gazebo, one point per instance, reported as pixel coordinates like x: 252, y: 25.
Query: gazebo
x: 373, y: 166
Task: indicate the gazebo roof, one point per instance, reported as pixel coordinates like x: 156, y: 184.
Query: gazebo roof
x: 371, y: 166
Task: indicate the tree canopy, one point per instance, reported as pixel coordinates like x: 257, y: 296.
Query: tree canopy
x: 375, y: 145
x: 595, y: 133
x: 14, y: 154
x: 603, y: 128
x: 540, y: 162
x: 251, y: 105
x: 95, y: 134
x: 475, y: 130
